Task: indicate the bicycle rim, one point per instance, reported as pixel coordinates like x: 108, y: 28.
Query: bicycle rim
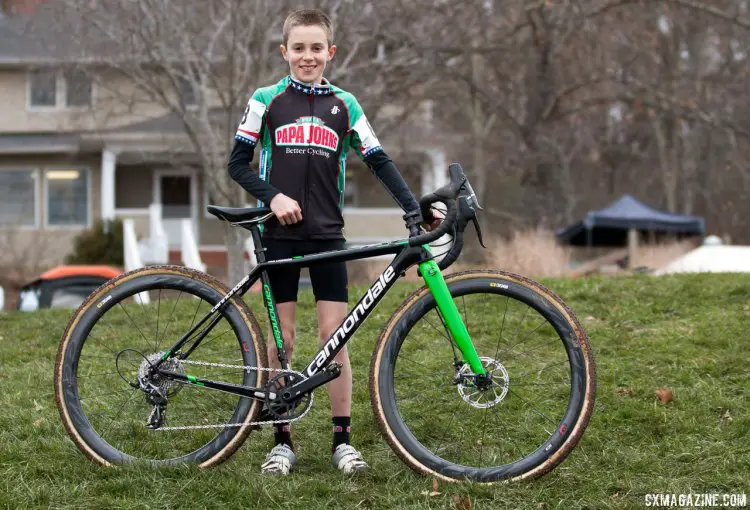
x: 118, y: 336
x: 542, y: 387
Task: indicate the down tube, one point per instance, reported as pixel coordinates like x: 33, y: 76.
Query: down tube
x: 435, y: 282
x: 352, y: 321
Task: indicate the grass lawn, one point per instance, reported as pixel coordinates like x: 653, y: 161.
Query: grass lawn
x: 685, y: 333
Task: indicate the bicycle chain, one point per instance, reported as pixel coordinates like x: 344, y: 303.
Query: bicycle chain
x: 246, y: 368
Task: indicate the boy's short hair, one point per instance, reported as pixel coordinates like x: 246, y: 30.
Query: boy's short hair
x: 306, y: 18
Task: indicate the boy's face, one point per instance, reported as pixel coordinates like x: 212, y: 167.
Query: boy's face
x: 307, y: 52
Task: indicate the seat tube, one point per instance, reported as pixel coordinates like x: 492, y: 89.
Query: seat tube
x: 436, y: 283
x: 269, y: 300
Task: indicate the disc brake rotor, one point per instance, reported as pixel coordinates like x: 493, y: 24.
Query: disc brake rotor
x: 490, y: 395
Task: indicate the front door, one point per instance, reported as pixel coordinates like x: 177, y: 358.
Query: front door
x: 177, y: 198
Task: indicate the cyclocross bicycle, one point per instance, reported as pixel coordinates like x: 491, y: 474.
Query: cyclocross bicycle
x: 482, y: 375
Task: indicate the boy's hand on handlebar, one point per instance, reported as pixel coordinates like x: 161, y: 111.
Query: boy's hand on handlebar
x: 286, y: 209
x: 433, y: 222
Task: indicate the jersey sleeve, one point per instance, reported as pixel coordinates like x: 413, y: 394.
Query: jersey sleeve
x: 251, y: 123
x: 363, y: 138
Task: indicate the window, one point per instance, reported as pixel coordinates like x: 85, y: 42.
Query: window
x: 71, y: 296
x: 17, y: 198
x: 67, y: 197
x: 77, y: 88
x: 43, y: 88
x: 49, y: 88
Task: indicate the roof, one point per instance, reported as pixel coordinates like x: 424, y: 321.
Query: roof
x: 38, y: 143
x: 25, y: 40
x: 612, y: 223
x: 711, y: 259
x: 66, y: 271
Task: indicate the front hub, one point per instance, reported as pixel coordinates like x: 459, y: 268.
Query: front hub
x: 483, y: 391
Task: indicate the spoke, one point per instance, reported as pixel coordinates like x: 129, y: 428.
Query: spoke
x: 97, y: 375
x: 415, y: 362
x: 502, y: 327
x: 158, y: 313
x: 442, y: 332
x: 134, y: 324
x: 531, y: 373
x: 101, y: 343
x: 169, y: 322
x: 421, y: 395
x: 208, y: 340
x: 119, y: 412
x: 554, y: 422
x: 544, y: 321
x: 93, y: 397
x: 453, y: 417
x: 195, y: 314
x: 481, y: 444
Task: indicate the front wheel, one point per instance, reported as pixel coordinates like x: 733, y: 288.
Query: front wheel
x: 521, y: 424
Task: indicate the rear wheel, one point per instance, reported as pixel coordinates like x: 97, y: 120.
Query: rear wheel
x: 116, y: 335
x: 442, y: 422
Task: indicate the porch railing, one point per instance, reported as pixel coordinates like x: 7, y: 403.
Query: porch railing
x: 155, y: 249
x: 190, y: 254
x: 132, y: 252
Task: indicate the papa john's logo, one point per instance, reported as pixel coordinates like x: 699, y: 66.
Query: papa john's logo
x: 307, y: 132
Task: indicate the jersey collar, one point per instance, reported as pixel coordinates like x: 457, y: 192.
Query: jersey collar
x: 324, y: 89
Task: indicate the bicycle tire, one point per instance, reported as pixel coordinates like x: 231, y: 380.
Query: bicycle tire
x: 409, y: 444
x: 121, y: 291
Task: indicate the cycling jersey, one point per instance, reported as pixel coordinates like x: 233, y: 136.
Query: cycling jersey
x: 305, y: 133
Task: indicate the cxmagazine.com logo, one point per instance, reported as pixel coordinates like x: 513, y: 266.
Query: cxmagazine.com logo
x: 702, y: 500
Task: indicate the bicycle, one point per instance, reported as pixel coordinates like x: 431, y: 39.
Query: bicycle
x: 522, y: 400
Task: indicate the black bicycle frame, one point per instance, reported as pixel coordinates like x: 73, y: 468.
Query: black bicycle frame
x: 405, y: 257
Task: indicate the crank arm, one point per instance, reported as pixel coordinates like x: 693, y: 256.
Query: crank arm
x: 329, y: 373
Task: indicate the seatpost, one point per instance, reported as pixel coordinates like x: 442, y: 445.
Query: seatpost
x: 260, y: 255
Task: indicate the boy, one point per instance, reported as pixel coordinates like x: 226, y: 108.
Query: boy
x: 306, y: 126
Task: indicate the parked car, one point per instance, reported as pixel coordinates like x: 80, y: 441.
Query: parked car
x: 64, y: 286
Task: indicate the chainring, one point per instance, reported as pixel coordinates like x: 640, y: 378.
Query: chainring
x: 279, y: 409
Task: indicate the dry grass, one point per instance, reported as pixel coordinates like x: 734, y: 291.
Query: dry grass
x: 534, y: 253
x: 656, y: 256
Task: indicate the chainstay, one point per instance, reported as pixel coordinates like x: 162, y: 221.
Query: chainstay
x: 246, y: 368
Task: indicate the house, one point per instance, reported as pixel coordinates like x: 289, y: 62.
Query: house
x: 73, y: 151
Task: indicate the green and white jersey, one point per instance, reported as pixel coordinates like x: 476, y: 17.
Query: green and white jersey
x: 305, y: 133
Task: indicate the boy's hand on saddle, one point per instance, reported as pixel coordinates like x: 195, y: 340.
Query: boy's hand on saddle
x: 286, y: 209
x: 431, y: 223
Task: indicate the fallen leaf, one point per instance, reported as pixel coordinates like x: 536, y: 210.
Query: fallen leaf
x: 37, y: 422
x: 461, y: 503
x: 624, y: 392
x: 434, y: 485
x: 665, y: 395
x: 434, y: 493
x: 37, y: 406
x: 727, y: 417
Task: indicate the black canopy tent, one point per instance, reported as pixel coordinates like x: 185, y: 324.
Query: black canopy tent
x: 610, y: 226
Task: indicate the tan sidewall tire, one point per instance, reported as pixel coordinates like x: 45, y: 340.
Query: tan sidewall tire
x: 247, y: 316
x: 588, y: 399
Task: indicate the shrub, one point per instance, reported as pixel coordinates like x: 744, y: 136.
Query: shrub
x: 102, y: 244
